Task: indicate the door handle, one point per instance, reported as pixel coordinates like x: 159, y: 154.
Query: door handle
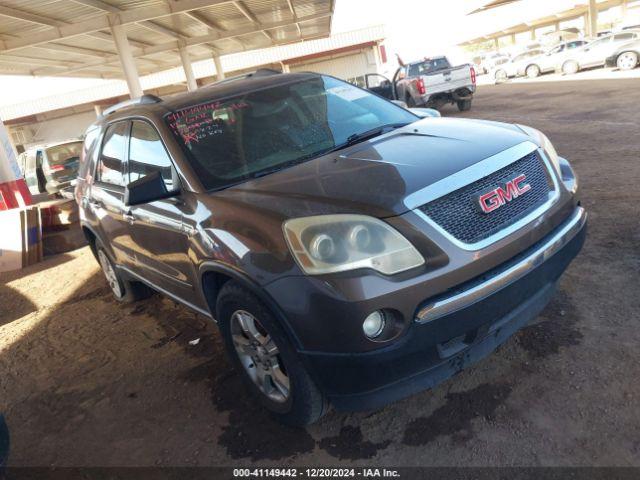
x: 128, y: 217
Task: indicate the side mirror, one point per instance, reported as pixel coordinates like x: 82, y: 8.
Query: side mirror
x: 147, y: 189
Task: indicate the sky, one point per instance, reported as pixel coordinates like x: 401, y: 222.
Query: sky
x: 414, y: 28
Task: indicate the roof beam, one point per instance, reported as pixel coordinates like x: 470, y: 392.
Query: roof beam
x: 104, y: 22
x: 107, y: 7
x: 90, y: 52
x: 239, y: 4
x: 295, y: 16
x: 174, y: 45
x: 199, y: 17
x: 29, y: 17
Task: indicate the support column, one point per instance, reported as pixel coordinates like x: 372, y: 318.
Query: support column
x: 219, y: 69
x: 513, y: 39
x: 188, y: 68
x: 593, y: 18
x: 557, y: 26
x: 127, y: 61
x: 623, y: 9
x: 533, y: 34
x: 496, y: 44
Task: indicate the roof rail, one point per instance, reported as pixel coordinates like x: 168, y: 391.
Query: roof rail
x: 143, y: 100
x: 261, y: 72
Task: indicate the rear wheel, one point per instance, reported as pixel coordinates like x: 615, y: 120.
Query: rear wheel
x: 570, y: 67
x: 269, y: 365
x: 464, y: 105
x: 627, y: 60
x: 123, y: 290
x: 533, y: 71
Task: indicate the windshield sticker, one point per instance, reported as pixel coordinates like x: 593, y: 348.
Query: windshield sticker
x: 201, y: 121
x: 347, y: 92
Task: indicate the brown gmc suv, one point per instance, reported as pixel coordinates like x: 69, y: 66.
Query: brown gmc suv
x: 350, y: 253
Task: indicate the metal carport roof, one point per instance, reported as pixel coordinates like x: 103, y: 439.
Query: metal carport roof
x: 77, y: 37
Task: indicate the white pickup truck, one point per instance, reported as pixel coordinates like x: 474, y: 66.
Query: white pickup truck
x: 431, y: 82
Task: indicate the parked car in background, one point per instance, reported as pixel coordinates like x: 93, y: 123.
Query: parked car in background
x: 349, y: 252
x: 511, y: 68
x: 595, y: 53
x: 51, y: 168
x: 547, y: 61
x: 491, y: 60
x: 626, y: 57
x: 430, y: 83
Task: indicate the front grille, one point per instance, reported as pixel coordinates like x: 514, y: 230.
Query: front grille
x: 458, y: 214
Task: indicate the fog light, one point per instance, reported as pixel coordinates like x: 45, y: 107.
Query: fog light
x: 374, y: 324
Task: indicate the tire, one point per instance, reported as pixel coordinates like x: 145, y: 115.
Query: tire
x: 627, y: 61
x: 464, y: 105
x: 533, y: 71
x: 570, y: 67
x: 410, y: 101
x: 124, y: 291
x: 250, y: 331
x: 500, y: 76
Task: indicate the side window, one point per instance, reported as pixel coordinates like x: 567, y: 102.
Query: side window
x: 624, y: 36
x: 575, y: 44
x: 148, y: 155
x: 112, y: 155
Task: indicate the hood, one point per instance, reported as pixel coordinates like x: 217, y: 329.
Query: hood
x: 374, y: 177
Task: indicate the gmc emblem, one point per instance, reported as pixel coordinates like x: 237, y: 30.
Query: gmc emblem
x: 490, y: 201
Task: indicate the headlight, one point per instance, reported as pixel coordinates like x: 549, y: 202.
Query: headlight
x: 545, y: 144
x: 337, y: 243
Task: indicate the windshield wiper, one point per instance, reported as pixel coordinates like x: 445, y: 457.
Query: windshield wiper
x: 351, y: 140
x: 366, y: 135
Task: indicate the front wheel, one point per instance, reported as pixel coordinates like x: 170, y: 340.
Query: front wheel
x: 464, y: 105
x: 570, y: 67
x: 533, y: 71
x: 501, y: 76
x: 627, y: 61
x: 263, y: 354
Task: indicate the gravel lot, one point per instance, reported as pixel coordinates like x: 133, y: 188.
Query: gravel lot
x: 87, y: 382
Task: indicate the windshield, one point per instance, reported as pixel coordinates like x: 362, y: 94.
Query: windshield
x: 242, y: 137
x: 64, y: 154
x: 429, y: 66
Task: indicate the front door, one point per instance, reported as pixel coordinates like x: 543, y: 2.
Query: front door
x: 161, y: 243
x: 380, y: 84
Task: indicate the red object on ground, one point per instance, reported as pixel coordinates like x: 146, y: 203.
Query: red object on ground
x: 14, y: 194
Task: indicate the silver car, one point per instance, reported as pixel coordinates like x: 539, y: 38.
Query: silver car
x: 511, y: 68
x: 547, y: 62
x: 595, y: 53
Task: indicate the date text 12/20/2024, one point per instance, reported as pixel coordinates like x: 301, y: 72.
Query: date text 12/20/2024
x: 364, y: 472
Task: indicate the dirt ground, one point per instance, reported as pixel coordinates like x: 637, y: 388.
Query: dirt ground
x: 85, y: 381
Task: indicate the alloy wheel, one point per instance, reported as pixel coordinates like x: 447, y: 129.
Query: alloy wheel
x: 627, y: 61
x: 259, y: 356
x: 110, y: 274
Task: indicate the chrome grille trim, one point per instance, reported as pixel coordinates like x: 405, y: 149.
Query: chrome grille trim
x: 476, y: 172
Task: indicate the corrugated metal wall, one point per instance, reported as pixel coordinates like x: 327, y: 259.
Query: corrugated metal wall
x: 347, y: 66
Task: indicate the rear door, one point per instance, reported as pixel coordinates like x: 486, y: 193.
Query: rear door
x: 160, y: 242
x: 30, y: 174
x: 61, y: 161
x: 107, y: 192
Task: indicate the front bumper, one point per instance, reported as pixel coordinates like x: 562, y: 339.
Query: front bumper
x: 452, y: 332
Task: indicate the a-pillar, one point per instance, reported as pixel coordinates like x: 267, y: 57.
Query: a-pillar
x: 127, y: 61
